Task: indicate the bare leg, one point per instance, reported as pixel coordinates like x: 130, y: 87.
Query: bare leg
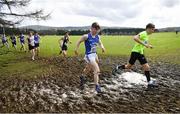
x: 64, y: 53
x: 86, y: 70
x: 15, y: 46
x: 24, y: 47
x: 96, y: 71
x: 7, y: 45
x: 33, y: 54
x: 37, y: 51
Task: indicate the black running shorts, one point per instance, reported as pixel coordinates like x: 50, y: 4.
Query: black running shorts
x: 135, y: 56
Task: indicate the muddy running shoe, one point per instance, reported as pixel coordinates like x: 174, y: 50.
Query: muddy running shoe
x: 117, y: 70
x: 82, y: 82
x: 152, y: 84
x: 98, y: 89
x: 114, y: 71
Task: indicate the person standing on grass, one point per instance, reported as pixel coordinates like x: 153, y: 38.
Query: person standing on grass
x: 13, y: 41
x: 176, y: 32
x: 64, y: 44
x: 91, y: 40
x: 138, y: 53
x: 31, y: 45
x: 36, y: 42
x: 4, y: 41
x: 22, y: 42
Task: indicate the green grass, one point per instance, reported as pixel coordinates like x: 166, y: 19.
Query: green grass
x: 166, y: 45
x: 166, y: 48
x: 19, y: 64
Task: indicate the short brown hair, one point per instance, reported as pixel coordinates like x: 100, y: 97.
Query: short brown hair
x: 31, y: 32
x: 96, y: 26
x: 150, y: 25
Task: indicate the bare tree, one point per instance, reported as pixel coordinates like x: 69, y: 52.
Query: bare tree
x: 7, y: 11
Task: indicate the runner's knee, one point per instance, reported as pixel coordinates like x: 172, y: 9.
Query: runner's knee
x: 96, y: 73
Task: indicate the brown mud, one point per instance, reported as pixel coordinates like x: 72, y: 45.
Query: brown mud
x: 57, y: 89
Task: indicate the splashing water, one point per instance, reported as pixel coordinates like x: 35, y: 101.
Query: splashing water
x: 134, y: 78
x: 111, y: 86
x: 126, y: 80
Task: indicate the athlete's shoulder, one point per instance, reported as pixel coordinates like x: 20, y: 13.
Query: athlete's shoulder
x: 85, y: 36
x: 143, y: 32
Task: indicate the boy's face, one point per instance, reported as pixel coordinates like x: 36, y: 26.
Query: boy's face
x: 151, y: 30
x: 94, y: 31
x: 67, y: 33
x: 30, y: 33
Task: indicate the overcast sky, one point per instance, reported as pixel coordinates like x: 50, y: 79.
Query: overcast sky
x: 122, y: 13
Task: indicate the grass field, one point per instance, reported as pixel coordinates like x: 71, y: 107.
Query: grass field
x: 166, y: 45
x: 166, y: 49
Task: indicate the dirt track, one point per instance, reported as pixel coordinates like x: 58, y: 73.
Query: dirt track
x: 57, y: 90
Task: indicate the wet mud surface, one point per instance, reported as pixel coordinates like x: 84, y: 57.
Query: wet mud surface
x: 57, y: 89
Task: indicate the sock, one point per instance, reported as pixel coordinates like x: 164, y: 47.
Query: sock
x: 147, y: 74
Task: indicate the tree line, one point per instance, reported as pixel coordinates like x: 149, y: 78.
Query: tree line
x: 108, y: 31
